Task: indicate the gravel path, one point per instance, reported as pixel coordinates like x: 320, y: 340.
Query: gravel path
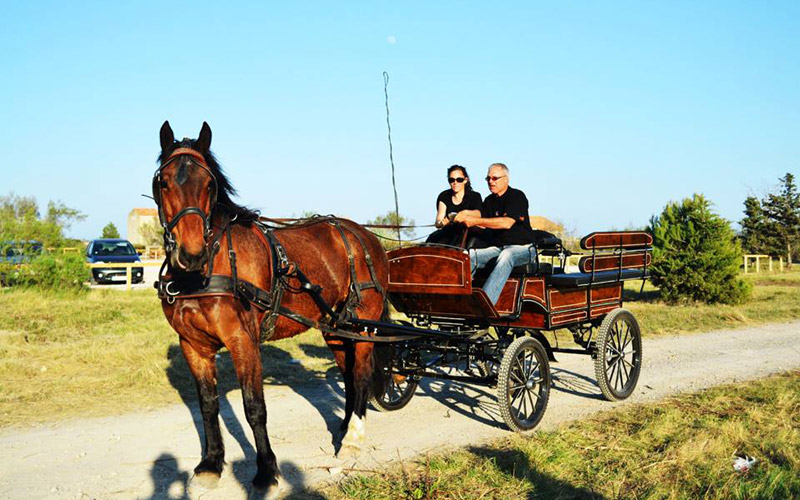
x: 150, y: 455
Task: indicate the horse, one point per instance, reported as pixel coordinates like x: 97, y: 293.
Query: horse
x: 230, y: 280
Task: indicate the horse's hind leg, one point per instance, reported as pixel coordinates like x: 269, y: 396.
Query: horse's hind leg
x: 204, y: 370
x: 247, y: 359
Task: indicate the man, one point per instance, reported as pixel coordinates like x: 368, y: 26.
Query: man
x: 509, y: 234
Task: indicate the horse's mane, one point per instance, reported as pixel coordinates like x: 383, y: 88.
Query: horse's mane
x: 225, y: 190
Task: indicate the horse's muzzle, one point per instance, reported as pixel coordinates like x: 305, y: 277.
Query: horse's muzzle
x: 189, y: 262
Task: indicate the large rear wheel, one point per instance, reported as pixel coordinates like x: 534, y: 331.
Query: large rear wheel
x: 523, y: 384
x: 618, y: 359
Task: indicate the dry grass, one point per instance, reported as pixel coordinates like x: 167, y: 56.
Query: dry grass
x: 776, y: 298
x: 680, y: 448
x: 107, y: 352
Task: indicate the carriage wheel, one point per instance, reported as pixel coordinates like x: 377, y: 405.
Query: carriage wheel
x: 398, y: 393
x: 523, y: 384
x: 619, y: 355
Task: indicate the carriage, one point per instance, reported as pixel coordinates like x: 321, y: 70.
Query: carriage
x: 454, y: 332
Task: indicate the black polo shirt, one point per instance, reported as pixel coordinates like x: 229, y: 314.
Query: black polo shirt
x: 513, y: 204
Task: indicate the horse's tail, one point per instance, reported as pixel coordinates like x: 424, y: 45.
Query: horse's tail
x: 382, y: 353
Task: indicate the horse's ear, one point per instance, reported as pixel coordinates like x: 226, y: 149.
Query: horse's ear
x: 167, y: 137
x: 203, y: 142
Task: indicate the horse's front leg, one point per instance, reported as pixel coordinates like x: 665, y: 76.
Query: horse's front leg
x: 204, y: 369
x: 247, y: 360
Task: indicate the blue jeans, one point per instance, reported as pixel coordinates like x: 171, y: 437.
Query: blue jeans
x: 507, y: 258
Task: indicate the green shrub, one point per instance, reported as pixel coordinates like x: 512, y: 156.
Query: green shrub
x: 53, y: 272
x: 695, y: 255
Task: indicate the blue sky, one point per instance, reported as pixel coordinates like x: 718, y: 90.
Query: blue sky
x: 604, y: 111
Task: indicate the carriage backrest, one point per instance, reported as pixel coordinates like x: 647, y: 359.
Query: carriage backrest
x: 627, y: 240
x: 618, y: 250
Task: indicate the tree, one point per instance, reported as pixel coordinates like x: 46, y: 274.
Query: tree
x: 20, y: 220
x: 783, y: 212
x: 110, y: 231
x: 753, y: 235
x: 388, y: 236
x: 152, y: 233
x: 695, y: 255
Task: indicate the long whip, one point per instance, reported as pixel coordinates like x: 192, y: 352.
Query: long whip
x: 391, y: 156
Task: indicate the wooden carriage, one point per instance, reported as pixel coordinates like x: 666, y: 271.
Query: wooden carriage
x: 453, y: 322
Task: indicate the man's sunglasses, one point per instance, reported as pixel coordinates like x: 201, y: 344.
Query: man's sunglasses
x: 457, y: 179
x: 493, y: 178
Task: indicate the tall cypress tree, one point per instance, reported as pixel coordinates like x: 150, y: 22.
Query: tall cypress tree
x: 783, y: 213
x: 754, y: 228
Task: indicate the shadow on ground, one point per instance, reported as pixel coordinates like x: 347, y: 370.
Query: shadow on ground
x: 326, y: 395
x: 324, y: 392
x: 543, y: 486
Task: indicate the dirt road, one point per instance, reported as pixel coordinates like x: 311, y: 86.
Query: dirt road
x: 150, y: 455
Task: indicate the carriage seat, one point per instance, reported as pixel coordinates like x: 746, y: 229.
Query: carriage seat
x: 571, y: 280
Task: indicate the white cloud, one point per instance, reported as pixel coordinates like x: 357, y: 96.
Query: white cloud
x: 391, y: 39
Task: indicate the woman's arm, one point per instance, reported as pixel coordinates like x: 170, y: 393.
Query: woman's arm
x: 441, y: 216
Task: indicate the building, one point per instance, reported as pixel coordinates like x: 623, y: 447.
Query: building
x: 137, y: 219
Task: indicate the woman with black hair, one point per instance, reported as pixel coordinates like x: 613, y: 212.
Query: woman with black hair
x: 460, y: 197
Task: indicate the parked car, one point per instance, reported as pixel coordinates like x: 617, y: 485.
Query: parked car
x: 17, y: 252
x: 14, y: 255
x: 113, y: 251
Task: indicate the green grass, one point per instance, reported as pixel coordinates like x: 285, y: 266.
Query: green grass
x: 104, y: 352
x: 679, y: 448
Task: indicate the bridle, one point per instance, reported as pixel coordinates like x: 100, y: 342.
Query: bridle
x: 168, y: 225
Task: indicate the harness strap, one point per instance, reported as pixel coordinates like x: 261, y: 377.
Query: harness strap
x: 232, y: 258
x: 270, y: 301
x: 368, y: 258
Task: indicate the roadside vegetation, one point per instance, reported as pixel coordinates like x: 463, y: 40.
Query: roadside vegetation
x: 679, y: 448
x: 104, y: 352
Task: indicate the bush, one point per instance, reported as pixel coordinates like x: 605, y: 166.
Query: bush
x: 695, y: 256
x: 51, y: 272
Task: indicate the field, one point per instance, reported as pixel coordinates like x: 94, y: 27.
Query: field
x: 107, y: 352
x: 679, y: 448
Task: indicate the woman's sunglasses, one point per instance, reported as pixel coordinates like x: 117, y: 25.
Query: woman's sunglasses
x: 457, y: 179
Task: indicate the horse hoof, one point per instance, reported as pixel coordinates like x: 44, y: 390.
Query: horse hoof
x: 268, y: 489
x: 349, y: 450
x: 205, y: 480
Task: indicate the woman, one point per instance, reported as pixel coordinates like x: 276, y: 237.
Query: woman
x: 458, y: 198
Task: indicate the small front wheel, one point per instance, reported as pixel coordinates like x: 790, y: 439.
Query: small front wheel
x: 398, y: 393
x: 523, y: 384
x: 619, y: 355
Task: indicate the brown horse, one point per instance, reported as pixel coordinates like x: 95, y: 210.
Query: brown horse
x: 231, y: 281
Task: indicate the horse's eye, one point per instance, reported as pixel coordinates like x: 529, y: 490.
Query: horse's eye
x: 163, y: 184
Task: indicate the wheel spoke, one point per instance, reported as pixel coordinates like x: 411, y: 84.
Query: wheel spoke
x: 620, y: 385
x: 625, y: 370
x: 524, y: 404
x: 516, y: 378
x: 610, y: 371
x: 533, y: 404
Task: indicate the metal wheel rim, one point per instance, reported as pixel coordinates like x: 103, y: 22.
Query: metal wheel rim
x: 526, y: 389
x: 621, y: 356
x: 395, y: 391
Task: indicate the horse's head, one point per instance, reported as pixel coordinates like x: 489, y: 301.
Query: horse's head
x: 185, y: 189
